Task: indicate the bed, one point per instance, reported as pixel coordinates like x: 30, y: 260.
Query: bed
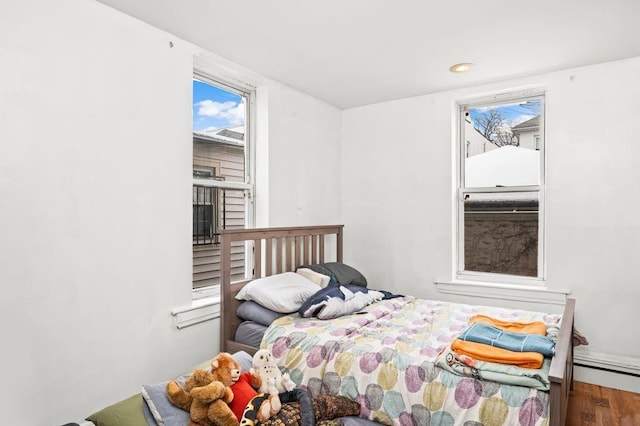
x: 321, y: 360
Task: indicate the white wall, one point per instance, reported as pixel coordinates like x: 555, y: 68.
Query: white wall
x: 303, y: 160
x: 397, y: 191
x: 95, y: 171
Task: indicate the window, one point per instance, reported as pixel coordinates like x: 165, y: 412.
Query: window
x: 501, y: 188
x: 222, y: 179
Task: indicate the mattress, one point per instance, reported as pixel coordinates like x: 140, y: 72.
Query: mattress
x: 250, y: 333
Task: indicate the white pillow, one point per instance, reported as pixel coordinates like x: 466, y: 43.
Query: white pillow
x: 318, y: 278
x: 283, y: 293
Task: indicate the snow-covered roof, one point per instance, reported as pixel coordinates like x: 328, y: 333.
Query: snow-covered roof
x: 506, y: 166
x: 232, y: 135
x: 530, y: 125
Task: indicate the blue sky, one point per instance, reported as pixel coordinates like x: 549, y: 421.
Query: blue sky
x: 514, y: 113
x: 215, y: 108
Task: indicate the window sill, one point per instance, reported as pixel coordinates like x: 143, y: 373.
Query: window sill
x: 200, y: 310
x: 206, y: 292
x: 522, y: 293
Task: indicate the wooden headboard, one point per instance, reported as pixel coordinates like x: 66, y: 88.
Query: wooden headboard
x: 274, y: 250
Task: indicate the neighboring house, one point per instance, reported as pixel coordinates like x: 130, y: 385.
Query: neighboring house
x: 476, y: 142
x: 528, y: 133
x: 217, y: 155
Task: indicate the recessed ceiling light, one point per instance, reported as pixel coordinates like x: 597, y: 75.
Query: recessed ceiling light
x: 463, y: 67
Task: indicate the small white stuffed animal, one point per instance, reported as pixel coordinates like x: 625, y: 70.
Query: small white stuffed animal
x: 271, y: 406
x: 266, y: 368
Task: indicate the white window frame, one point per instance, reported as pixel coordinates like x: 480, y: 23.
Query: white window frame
x: 248, y: 91
x: 460, y: 274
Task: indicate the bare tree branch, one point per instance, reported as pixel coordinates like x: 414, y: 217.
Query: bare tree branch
x: 495, y: 128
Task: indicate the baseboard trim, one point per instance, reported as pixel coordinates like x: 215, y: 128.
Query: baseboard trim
x: 608, y: 370
x: 607, y: 379
x: 607, y: 362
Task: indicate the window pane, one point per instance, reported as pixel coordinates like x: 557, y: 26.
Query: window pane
x: 228, y: 212
x: 218, y: 133
x: 219, y: 154
x: 502, y: 143
x: 501, y: 233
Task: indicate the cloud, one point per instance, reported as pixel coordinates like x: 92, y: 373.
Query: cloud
x: 230, y: 111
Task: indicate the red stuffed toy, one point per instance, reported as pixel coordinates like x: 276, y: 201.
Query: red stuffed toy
x: 244, y: 391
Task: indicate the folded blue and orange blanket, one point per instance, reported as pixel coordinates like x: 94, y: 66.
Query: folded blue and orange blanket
x: 513, y: 343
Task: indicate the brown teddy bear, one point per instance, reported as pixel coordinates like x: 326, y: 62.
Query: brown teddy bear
x: 218, y: 397
x: 205, y: 398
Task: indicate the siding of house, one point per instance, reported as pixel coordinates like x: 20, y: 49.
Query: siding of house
x: 229, y: 163
x: 476, y: 143
x: 528, y: 139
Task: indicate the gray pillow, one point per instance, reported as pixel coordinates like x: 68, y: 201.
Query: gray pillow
x: 252, y: 311
x: 339, y: 272
x: 162, y: 412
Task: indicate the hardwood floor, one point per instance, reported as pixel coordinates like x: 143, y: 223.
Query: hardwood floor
x: 597, y: 405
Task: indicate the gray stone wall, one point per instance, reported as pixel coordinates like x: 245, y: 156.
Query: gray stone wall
x: 501, y: 242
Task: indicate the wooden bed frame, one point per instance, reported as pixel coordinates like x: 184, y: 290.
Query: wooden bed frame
x: 277, y: 250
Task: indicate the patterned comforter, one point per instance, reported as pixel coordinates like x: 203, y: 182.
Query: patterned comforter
x: 384, y: 358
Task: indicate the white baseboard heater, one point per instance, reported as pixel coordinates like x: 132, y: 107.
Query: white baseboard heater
x: 607, y: 362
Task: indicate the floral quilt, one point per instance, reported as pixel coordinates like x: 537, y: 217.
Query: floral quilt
x: 384, y: 356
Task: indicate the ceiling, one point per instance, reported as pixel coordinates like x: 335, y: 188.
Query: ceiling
x: 357, y: 52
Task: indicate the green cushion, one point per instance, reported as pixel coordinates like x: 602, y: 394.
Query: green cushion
x: 127, y: 412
